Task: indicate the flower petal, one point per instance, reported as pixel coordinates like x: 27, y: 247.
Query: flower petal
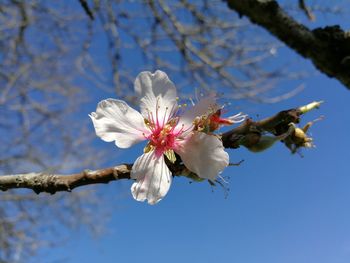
x: 153, y: 178
x: 199, y: 109
x: 115, y: 120
x: 156, y: 92
x: 204, y: 155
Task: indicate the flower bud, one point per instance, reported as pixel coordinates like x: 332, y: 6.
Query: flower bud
x: 266, y: 141
x: 310, y: 106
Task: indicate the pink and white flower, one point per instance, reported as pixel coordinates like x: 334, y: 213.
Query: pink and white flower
x: 167, y: 132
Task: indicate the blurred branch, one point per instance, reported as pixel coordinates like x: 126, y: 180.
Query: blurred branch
x: 328, y: 48
x: 307, y: 10
x: 248, y: 134
x: 87, y: 9
x: 39, y: 94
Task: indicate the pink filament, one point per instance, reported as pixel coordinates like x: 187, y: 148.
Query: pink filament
x: 163, y: 135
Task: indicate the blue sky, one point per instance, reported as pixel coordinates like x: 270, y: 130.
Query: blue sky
x: 279, y: 208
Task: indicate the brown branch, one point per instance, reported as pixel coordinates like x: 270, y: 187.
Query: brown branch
x: 52, y: 183
x: 248, y: 134
x: 328, y: 48
x: 252, y: 130
x: 252, y: 134
x: 306, y: 10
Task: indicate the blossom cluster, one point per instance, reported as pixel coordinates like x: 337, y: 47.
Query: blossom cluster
x: 168, y: 130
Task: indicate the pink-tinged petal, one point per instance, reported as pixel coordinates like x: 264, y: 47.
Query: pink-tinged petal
x: 114, y: 120
x: 157, y: 92
x: 204, y: 155
x: 203, y: 107
x: 153, y: 178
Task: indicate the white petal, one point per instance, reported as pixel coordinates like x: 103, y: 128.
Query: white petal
x: 114, y: 120
x: 153, y: 178
x: 199, y: 109
x: 155, y: 90
x: 204, y: 155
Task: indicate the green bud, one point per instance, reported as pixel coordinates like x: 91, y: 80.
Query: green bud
x: 310, y: 106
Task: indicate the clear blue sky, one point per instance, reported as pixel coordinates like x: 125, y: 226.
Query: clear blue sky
x: 280, y: 207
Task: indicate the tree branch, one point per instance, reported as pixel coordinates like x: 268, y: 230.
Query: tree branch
x: 249, y: 134
x: 52, y: 183
x: 87, y: 9
x: 328, y: 48
x: 307, y: 10
x: 251, y: 130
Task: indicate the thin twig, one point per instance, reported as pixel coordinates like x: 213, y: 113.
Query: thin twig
x: 87, y: 9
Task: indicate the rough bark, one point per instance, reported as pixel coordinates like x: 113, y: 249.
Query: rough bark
x: 328, y: 48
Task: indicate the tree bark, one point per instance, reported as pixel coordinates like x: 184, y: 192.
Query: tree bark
x: 52, y: 183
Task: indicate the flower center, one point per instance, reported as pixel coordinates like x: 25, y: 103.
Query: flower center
x: 164, y: 130
x: 163, y: 138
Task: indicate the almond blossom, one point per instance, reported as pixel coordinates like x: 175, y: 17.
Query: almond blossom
x: 167, y: 132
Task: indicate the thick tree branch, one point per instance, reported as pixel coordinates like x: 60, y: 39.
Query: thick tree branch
x: 250, y: 134
x: 328, y: 48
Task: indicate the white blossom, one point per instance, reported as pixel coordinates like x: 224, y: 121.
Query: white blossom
x: 166, y: 131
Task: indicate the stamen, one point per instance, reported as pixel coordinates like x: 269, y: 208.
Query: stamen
x: 173, y: 111
x: 192, y: 102
x: 157, y: 108
x: 152, y: 126
x: 238, y: 117
x: 144, y: 135
x: 166, y: 111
